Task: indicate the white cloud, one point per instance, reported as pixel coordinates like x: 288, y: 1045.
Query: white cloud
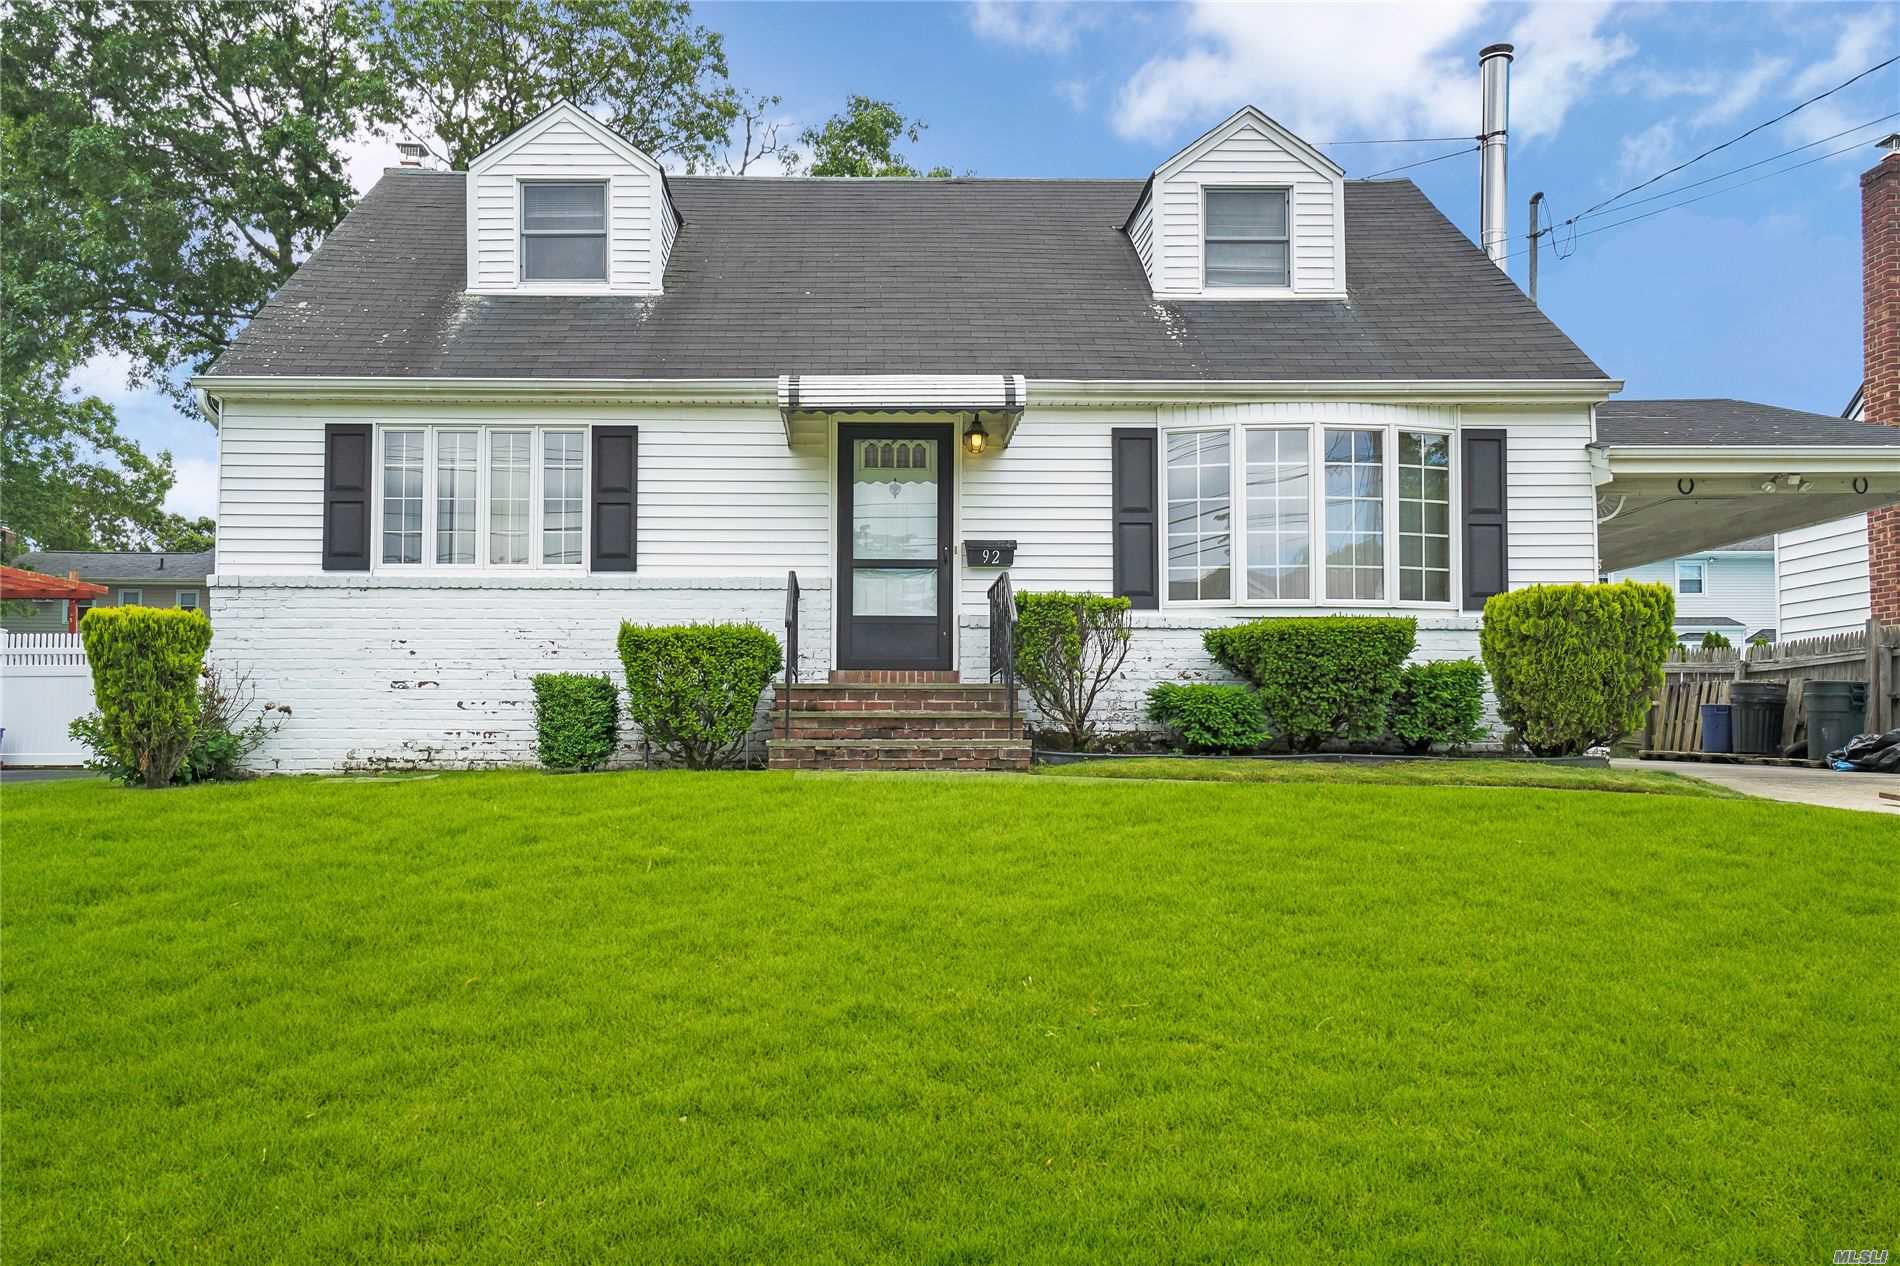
x: 1073, y: 91
x: 365, y: 155
x: 1642, y: 154
x: 195, y: 492
x: 1346, y: 70
x: 1047, y: 26
x: 108, y: 376
x: 1739, y: 91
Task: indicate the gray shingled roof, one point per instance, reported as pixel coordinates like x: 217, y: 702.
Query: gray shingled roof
x: 926, y: 276
x: 1652, y: 423
x: 125, y: 565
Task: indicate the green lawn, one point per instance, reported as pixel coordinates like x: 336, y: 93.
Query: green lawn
x: 1431, y: 773
x: 735, y: 1018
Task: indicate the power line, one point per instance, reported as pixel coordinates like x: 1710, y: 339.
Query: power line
x: 1733, y: 139
x: 1423, y: 162
x: 1786, y: 153
x: 1644, y: 215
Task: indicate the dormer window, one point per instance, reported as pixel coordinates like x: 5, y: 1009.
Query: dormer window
x: 1246, y: 243
x: 564, y: 231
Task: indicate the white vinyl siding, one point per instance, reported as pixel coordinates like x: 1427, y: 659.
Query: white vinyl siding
x: 1141, y: 232
x: 1247, y: 156
x: 562, y: 148
x: 1822, y: 578
x: 1550, y: 500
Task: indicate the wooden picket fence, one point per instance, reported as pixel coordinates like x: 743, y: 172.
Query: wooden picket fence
x: 1694, y: 677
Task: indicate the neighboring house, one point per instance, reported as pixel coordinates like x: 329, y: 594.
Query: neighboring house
x: 1730, y: 590
x: 499, y: 412
x: 132, y: 578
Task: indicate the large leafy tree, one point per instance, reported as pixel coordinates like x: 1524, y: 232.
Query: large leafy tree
x: 473, y: 73
x: 166, y: 166
x: 862, y: 141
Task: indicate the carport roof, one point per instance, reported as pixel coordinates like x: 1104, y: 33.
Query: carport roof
x: 1691, y: 423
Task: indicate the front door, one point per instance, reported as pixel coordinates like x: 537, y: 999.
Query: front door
x: 894, y: 550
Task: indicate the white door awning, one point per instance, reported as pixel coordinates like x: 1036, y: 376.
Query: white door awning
x: 997, y: 397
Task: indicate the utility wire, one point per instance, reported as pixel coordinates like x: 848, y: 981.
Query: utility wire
x: 1786, y: 153
x: 1733, y: 139
x: 1644, y: 215
x: 1423, y: 162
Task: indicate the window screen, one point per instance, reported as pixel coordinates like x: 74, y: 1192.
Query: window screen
x: 564, y: 232
x: 1246, y: 238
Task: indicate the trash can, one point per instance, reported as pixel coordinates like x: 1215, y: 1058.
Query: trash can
x: 1715, y: 728
x: 1837, y: 711
x: 1756, y: 709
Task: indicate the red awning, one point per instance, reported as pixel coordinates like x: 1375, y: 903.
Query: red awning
x: 17, y: 583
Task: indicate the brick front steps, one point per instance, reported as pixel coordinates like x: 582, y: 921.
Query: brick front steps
x: 932, y: 724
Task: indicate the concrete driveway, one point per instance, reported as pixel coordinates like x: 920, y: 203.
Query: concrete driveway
x: 1791, y: 783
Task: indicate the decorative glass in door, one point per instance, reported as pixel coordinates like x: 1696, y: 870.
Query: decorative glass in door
x: 894, y: 521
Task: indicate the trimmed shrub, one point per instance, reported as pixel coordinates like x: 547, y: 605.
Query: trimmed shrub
x: 1069, y: 646
x: 1713, y: 641
x: 146, y: 662
x: 1320, y: 677
x: 224, y: 739
x: 1440, y: 703
x: 1210, y: 718
x: 1575, y: 666
x: 577, y: 719
x: 694, y: 689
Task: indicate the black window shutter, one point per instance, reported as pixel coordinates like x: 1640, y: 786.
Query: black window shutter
x: 616, y: 487
x: 346, y: 485
x: 1486, y: 531
x: 1136, y: 479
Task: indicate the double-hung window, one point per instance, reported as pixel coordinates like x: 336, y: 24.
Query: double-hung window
x: 564, y: 231
x: 1246, y: 245
x: 1688, y: 577
x: 1316, y: 515
x: 500, y: 496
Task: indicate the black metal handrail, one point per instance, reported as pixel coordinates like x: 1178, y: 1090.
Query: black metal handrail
x: 791, y: 645
x: 1003, y: 640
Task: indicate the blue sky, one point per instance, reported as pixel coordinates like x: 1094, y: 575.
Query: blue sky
x: 1753, y: 293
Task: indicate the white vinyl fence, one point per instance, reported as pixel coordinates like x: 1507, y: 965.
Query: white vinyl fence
x: 44, y: 685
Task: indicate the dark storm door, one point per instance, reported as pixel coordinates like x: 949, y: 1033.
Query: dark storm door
x: 894, y: 547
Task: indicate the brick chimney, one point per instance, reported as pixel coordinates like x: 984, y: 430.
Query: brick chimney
x: 1880, y: 394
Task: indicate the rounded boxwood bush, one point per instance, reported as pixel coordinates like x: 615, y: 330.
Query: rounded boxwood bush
x: 1440, y: 703
x: 146, y: 662
x: 1210, y: 718
x: 1575, y: 666
x: 694, y: 689
x: 577, y: 719
x: 1319, y: 677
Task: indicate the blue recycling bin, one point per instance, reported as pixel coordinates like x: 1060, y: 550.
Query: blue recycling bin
x: 1718, y: 733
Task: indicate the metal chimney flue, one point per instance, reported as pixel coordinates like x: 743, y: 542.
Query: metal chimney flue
x: 1494, y: 217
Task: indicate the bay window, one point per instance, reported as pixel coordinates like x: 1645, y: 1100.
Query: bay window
x: 491, y: 494
x: 1313, y: 515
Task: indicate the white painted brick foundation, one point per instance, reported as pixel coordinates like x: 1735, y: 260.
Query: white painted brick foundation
x: 409, y: 672
x: 403, y: 672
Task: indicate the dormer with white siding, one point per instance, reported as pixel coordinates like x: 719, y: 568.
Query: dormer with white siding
x: 1248, y: 211
x: 565, y: 205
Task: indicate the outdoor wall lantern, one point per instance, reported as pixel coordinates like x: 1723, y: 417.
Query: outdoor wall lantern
x: 976, y: 439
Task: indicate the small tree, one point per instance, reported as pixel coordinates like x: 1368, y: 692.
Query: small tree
x: 146, y: 664
x: 1713, y: 641
x: 1069, y: 646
